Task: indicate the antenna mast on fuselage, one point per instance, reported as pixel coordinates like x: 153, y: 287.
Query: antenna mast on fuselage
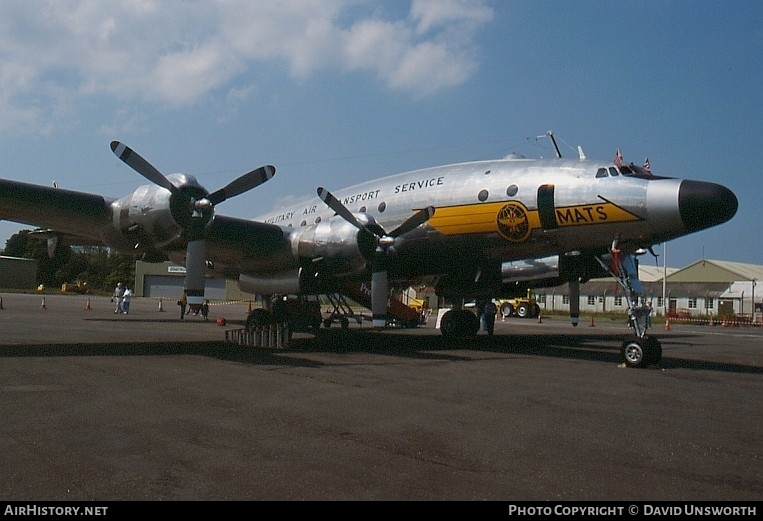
x: 550, y: 135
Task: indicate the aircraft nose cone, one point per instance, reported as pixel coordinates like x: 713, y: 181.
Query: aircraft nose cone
x: 703, y: 205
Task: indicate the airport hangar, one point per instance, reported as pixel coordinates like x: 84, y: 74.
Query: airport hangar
x: 17, y: 273
x: 165, y: 280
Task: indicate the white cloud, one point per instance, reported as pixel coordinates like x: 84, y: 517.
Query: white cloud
x: 463, y: 15
x: 55, y: 52
x: 429, y: 67
x: 187, y: 74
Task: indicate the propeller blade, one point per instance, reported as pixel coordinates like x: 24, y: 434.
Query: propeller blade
x: 195, y: 269
x: 132, y: 159
x: 336, y: 205
x: 385, y: 244
x: 243, y: 184
x: 379, y: 298
x: 414, y: 221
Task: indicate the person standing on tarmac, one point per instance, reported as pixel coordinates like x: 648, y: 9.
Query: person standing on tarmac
x: 119, y: 292
x: 489, y: 314
x: 126, y: 298
x: 183, y: 303
x: 480, y: 306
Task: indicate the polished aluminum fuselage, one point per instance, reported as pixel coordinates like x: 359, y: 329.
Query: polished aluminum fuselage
x: 469, y: 198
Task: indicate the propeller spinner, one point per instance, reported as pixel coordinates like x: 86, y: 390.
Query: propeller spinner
x: 200, y: 211
x: 384, y: 246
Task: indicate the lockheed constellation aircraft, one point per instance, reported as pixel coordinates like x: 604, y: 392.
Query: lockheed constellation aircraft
x: 472, y: 230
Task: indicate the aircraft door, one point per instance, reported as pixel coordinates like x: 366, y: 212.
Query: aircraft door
x: 546, y: 207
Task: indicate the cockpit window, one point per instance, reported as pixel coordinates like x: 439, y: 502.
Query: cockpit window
x: 632, y: 170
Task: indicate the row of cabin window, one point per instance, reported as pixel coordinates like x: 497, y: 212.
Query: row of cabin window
x: 511, y: 191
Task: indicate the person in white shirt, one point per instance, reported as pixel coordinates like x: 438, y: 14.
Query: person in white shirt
x: 119, y: 292
x: 126, y: 298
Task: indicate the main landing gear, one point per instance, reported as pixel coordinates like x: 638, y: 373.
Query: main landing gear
x: 459, y: 324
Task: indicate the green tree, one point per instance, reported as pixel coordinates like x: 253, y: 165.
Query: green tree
x: 96, y: 266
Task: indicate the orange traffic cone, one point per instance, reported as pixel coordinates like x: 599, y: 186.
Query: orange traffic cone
x: 725, y: 322
x: 87, y: 306
x: 161, y: 308
x: 667, y: 324
x: 43, y: 306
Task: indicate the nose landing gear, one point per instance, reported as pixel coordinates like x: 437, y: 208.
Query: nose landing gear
x: 644, y: 350
x: 641, y: 352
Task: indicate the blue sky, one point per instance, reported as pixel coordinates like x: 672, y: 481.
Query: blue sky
x: 333, y: 92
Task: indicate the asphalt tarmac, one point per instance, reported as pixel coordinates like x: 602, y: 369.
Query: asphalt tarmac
x: 98, y: 406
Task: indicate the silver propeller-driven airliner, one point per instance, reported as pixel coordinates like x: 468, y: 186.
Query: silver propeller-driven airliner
x: 472, y: 230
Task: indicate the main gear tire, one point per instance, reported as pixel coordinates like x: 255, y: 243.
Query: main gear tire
x: 459, y: 324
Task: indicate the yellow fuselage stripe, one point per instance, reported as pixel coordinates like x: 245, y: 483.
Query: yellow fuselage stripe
x: 483, y: 218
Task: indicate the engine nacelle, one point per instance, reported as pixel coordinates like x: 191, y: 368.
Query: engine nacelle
x: 150, y: 217
x: 281, y: 283
x: 147, y: 209
x: 328, y: 250
x: 299, y: 281
x: 334, y: 243
x: 516, y: 277
x: 530, y: 269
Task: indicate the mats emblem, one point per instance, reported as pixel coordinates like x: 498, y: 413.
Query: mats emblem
x: 513, y: 223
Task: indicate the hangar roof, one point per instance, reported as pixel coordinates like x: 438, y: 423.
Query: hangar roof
x: 707, y: 270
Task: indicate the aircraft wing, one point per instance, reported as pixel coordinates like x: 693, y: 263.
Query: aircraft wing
x: 73, y: 217
x: 247, y: 246
x: 73, y: 213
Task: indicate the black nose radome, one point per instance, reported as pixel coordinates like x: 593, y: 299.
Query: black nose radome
x: 703, y: 205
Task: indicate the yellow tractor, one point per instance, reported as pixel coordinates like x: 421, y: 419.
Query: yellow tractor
x: 78, y: 287
x: 522, y: 307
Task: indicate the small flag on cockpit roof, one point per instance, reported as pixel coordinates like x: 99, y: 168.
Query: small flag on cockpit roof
x: 619, y: 158
x: 647, y: 166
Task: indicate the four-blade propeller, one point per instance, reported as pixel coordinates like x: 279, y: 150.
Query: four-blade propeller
x: 384, y: 245
x: 199, y: 211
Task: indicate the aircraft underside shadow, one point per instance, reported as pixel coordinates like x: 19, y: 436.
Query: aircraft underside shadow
x: 596, y: 348
x: 580, y: 347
